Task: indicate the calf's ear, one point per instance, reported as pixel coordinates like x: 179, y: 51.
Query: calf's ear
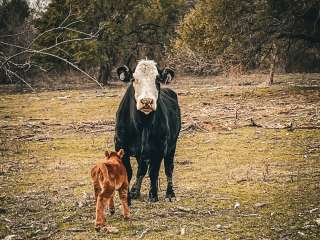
x: 166, y: 75
x: 124, y: 73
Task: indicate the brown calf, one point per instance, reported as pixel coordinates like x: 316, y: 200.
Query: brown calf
x: 110, y: 175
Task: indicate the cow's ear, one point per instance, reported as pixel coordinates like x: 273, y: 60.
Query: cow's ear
x: 120, y: 153
x: 166, y: 75
x: 124, y: 73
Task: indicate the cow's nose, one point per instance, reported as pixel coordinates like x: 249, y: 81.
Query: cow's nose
x: 146, y: 101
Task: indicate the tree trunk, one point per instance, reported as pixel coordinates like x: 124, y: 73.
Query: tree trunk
x: 104, y: 73
x: 273, y: 64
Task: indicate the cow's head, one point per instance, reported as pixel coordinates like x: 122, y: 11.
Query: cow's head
x: 146, y: 80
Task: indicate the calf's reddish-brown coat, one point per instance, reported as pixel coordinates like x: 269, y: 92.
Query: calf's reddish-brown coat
x: 108, y: 176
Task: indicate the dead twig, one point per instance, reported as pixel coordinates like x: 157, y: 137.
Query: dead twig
x: 144, y: 232
x: 254, y: 124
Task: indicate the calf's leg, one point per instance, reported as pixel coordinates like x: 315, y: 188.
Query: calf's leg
x: 123, y: 194
x: 96, y: 184
x: 111, y: 205
x: 100, y: 208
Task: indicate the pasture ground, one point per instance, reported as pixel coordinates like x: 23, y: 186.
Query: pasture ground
x: 247, y: 164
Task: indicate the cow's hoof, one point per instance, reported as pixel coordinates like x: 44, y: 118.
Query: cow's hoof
x: 134, y: 194
x: 153, y: 197
x: 170, y: 196
x: 170, y: 199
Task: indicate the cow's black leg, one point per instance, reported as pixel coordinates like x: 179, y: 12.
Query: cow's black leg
x: 168, y: 166
x: 127, y: 164
x: 153, y: 174
x: 141, y: 172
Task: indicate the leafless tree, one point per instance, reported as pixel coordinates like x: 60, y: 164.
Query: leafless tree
x: 11, y: 65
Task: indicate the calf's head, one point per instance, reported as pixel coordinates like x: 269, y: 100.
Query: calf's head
x: 146, y: 79
x: 113, y: 162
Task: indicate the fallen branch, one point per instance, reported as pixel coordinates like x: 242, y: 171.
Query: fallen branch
x: 144, y: 232
x: 194, y: 127
x: 289, y: 127
x: 254, y: 124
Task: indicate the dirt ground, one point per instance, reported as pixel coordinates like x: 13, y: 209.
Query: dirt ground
x: 247, y: 164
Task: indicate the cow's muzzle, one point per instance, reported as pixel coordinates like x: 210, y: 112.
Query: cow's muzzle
x: 146, y: 105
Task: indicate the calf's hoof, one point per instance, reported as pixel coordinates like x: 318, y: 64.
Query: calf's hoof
x: 98, y: 227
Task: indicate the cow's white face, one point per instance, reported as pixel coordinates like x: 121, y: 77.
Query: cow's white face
x: 146, y: 83
x: 145, y: 88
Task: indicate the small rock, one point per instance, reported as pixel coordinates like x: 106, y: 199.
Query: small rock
x: 10, y: 237
x: 66, y: 218
x: 184, y: 209
x: 63, y: 97
x: 182, y: 231
x: 236, y: 205
x: 301, y: 234
x: 219, y: 226
x: 314, y: 210
x: 260, y: 205
x: 80, y: 204
x: 112, y: 230
x: 318, y: 221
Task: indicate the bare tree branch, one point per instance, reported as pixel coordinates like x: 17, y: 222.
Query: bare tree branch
x: 44, y: 51
x: 19, y: 77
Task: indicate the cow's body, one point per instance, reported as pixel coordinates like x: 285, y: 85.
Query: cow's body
x: 149, y: 137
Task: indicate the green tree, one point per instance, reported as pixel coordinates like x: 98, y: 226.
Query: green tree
x: 127, y: 30
x: 247, y: 32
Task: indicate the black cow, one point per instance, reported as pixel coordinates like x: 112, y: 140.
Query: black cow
x: 148, y: 123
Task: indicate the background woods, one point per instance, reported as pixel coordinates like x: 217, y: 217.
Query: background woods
x: 123, y: 32
x: 199, y: 37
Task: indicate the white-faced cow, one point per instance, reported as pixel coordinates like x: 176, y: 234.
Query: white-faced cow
x: 148, y: 123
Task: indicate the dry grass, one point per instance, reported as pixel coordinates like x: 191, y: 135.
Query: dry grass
x: 49, y: 141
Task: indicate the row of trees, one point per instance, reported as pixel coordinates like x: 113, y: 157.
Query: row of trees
x: 254, y: 33
x: 90, y: 34
x: 201, y: 37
